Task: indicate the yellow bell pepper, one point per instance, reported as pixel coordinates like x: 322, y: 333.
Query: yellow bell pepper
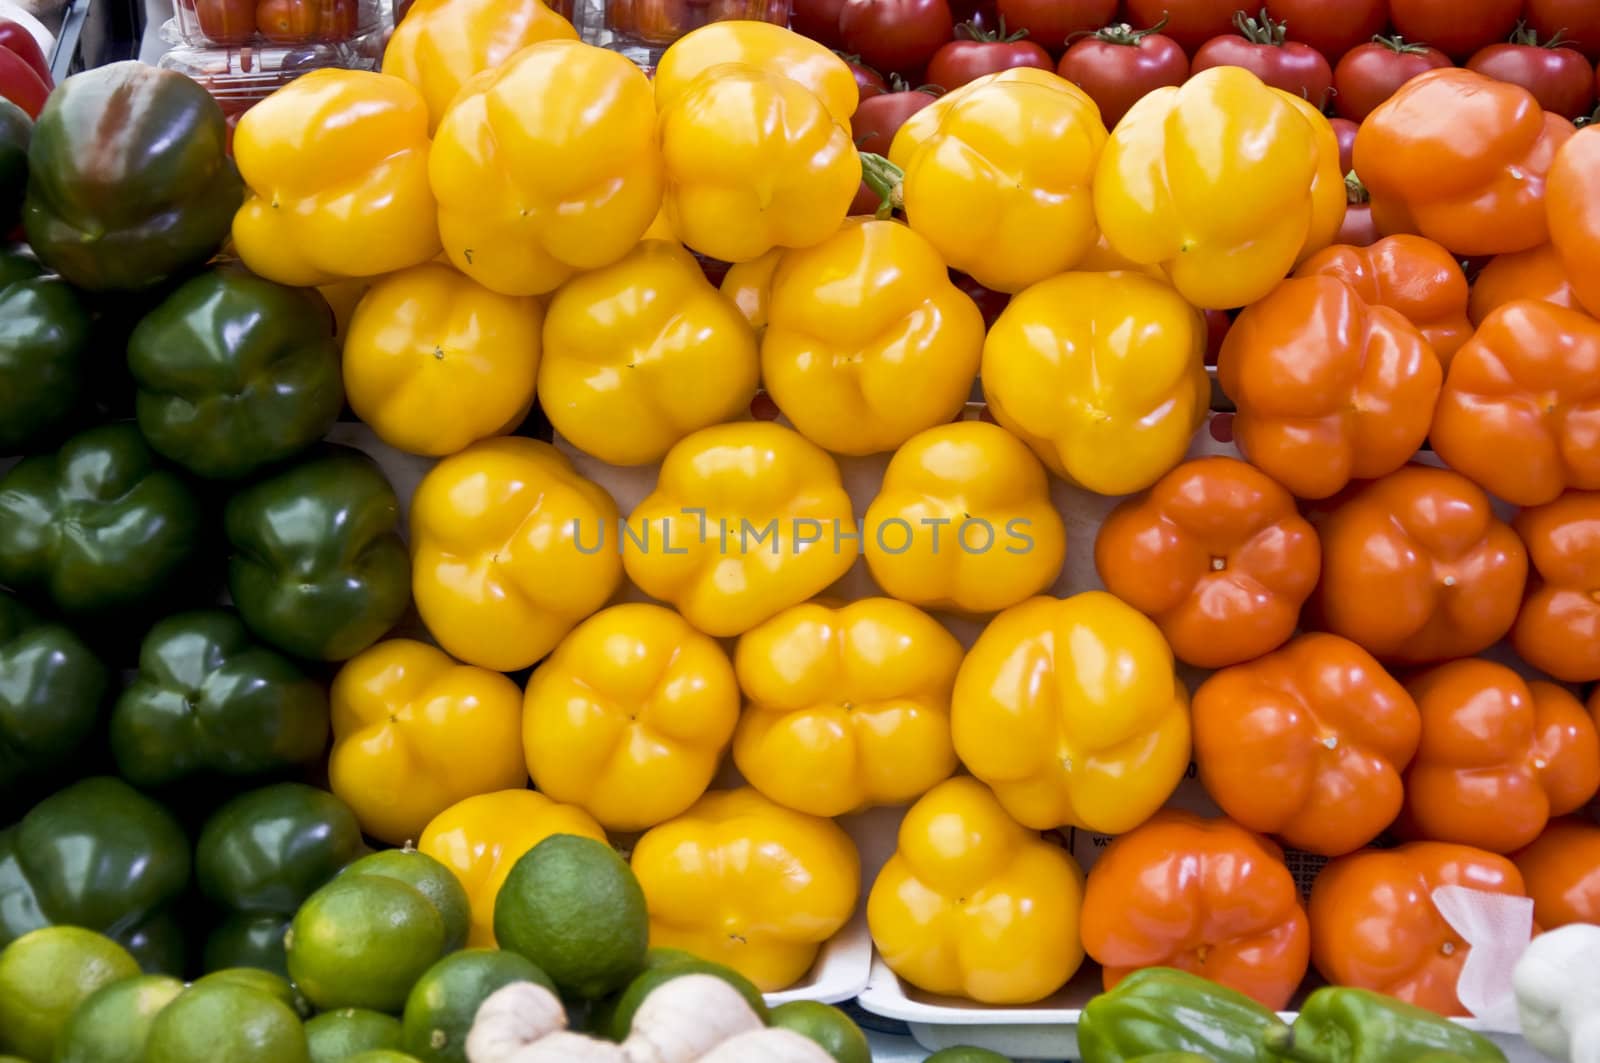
x: 748, y: 285
x: 746, y: 520
x: 337, y: 167
x: 964, y: 521
x: 1102, y: 375
x: 510, y: 548
x: 849, y: 706
x: 640, y: 353
x: 342, y: 297
x: 414, y: 732
x: 435, y: 361
x: 629, y: 717
x: 754, y: 161
x: 1224, y: 182
x: 746, y: 883
x: 1070, y: 711
x: 997, y: 176
x: 482, y: 837
x: 441, y: 44
x: 547, y: 167
x: 972, y: 905
x: 766, y: 47
x: 867, y: 341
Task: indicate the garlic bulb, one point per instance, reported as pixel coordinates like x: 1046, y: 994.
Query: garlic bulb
x: 685, y: 1018
x: 567, y: 1047
x: 512, y: 1018
x: 768, y: 1046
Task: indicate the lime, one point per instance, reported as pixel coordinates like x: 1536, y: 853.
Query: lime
x: 112, y: 1024
x: 428, y: 877
x: 966, y: 1054
x: 226, y: 1021
x: 829, y: 1027
x: 274, y: 985
x: 445, y: 1000
x: 573, y: 907
x: 335, y: 1036
x: 662, y: 969
x: 362, y: 941
x: 382, y: 1055
x: 45, y: 975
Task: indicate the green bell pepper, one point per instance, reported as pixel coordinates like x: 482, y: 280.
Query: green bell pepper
x: 51, y: 689
x: 208, y: 699
x: 318, y: 567
x: 44, y: 344
x: 99, y: 526
x: 236, y: 373
x: 129, y: 183
x: 1159, y: 1009
x: 16, y: 129
x: 102, y: 856
x: 261, y: 855
x: 1339, y: 1024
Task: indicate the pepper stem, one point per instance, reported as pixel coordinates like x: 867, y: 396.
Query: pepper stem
x: 886, y: 179
x: 1279, y: 1043
x: 1354, y: 191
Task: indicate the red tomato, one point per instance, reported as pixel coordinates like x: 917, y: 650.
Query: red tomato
x: 876, y: 122
x: 990, y: 302
x: 287, y: 21
x: 1370, y: 74
x: 15, y: 37
x: 1053, y: 23
x: 1456, y: 27
x: 1345, y: 131
x: 896, y: 35
x: 982, y: 52
x: 817, y: 19
x: 869, y: 82
x: 1218, y: 322
x: 1332, y: 27
x: 336, y: 20
x: 20, y: 83
x: 1358, y: 229
x: 1577, y: 21
x: 1189, y: 22
x: 1262, y: 47
x: 1561, y: 79
x: 1117, y: 66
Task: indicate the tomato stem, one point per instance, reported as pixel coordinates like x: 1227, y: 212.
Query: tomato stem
x: 1121, y: 33
x: 887, y: 180
x: 972, y: 31
x: 1263, y: 29
x: 1355, y: 192
x: 1399, y: 44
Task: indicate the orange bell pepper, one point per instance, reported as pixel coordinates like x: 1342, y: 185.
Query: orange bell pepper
x: 1573, y: 209
x: 1562, y: 872
x: 1204, y: 896
x: 1558, y: 629
x: 1535, y: 274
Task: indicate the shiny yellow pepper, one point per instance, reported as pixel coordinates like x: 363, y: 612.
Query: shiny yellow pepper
x: 867, y: 341
x: 629, y: 717
x: 849, y: 706
x: 435, y: 361
x: 1069, y: 709
x: 414, y: 732
x: 997, y: 176
x: 1102, y: 375
x: 744, y: 882
x: 746, y: 520
x: 972, y: 905
x: 766, y: 47
x: 337, y: 167
x: 1224, y: 182
x: 964, y: 521
x: 754, y: 161
x: 510, y: 547
x: 546, y: 167
x: 640, y: 353
x: 482, y: 837
x: 748, y: 285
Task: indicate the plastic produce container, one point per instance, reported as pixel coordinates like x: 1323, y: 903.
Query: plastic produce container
x: 642, y: 29
x: 286, y: 23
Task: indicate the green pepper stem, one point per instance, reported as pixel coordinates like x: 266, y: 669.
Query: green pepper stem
x: 886, y: 179
x: 1279, y: 1041
x: 1354, y: 190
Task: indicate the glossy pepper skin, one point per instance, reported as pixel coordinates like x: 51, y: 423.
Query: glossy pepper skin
x: 310, y: 225
x: 848, y: 706
x: 44, y: 354
x: 208, y: 699
x: 1558, y: 628
x: 317, y: 567
x: 642, y: 352
x: 997, y: 176
x: 235, y: 373
x: 1341, y: 1024
x: 51, y: 689
x: 534, y: 189
x: 414, y: 732
x: 102, y: 856
x: 1102, y: 375
x: 1159, y: 1010
x: 434, y: 361
x: 1204, y: 896
x: 1573, y: 218
x: 742, y: 882
x: 1411, y: 274
x: 1518, y: 410
x: 1562, y: 872
x: 973, y: 905
x: 1535, y: 274
x: 964, y: 521
x: 1500, y: 755
x: 1217, y: 555
x: 1374, y: 925
x: 1490, y: 146
x: 129, y: 184
x: 1224, y: 182
x: 867, y: 341
x: 510, y: 549
x: 764, y: 46
x: 258, y: 857
x: 100, y: 526
x: 1102, y: 743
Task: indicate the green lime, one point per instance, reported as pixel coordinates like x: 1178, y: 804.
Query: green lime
x: 335, y: 1036
x: 45, y: 975
x: 664, y: 970
x: 274, y: 985
x: 428, y: 877
x: 382, y: 1055
x: 829, y: 1027
x: 966, y: 1054
x: 226, y: 1021
x: 573, y: 907
x: 112, y: 1024
x: 445, y: 1000
x: 362, y: 941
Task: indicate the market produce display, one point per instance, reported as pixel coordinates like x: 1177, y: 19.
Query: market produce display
x: 1014, y: 485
